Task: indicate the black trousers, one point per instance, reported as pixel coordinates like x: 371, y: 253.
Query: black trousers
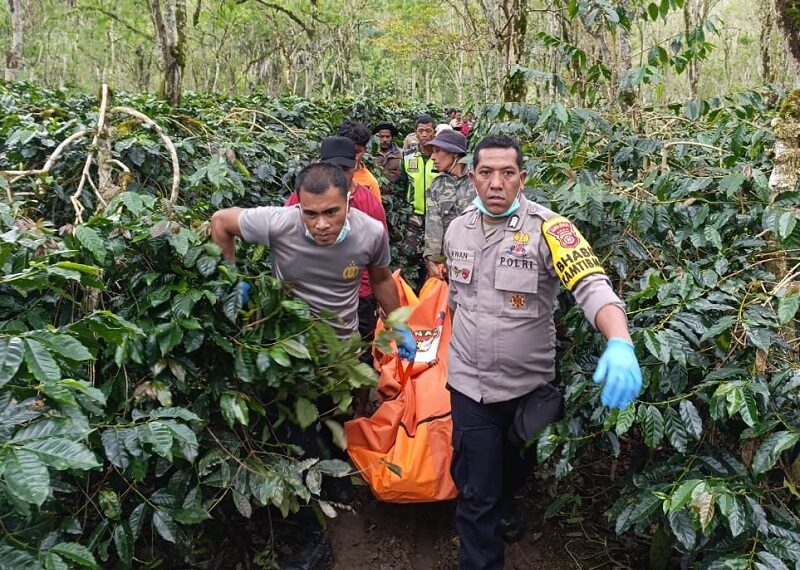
x: 487, y: 471
x: 367, y: 320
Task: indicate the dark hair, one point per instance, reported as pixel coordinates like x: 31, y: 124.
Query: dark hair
x: 317, y: 178
x: 423, y: 119
x: 496, y: 141
x: 355, y: 131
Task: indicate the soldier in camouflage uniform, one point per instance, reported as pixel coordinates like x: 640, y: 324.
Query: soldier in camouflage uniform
x: 450, y: 193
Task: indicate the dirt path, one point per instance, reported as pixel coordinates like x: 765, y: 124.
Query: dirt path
x: 380, y: 536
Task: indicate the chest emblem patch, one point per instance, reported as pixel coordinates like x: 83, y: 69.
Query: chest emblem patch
x: 350, y: 272
x: 462, y: 272
x: 412, y: 165
x: 517, y: 301
x: 521, y: 240
x: 565, y: 233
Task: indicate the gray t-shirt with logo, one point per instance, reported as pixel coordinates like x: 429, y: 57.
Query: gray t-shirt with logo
x: 325, y: 277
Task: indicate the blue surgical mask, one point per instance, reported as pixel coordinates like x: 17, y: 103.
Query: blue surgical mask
x: 510, y: 210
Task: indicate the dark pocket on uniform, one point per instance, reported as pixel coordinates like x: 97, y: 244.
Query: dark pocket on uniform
x: 534, y: 411
x: 459, y: 467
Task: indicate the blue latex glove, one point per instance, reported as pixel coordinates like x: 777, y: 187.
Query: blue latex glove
x: 407, y: 347
x: 244, y: 292
x: 619, y: 370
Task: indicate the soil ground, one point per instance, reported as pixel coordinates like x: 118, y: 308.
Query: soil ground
x: 381, y: 536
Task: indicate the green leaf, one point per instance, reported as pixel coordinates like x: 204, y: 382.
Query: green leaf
x: 63, y: 344
x: 110, y: 504
x: 337, y: 432
x: 54, y: 562
x: 294, y: 348
x: 114, y: 448
x: 61, y: 454
x: 158, y: 436
x: 164, y: 525
x: 11, y: 355
x: 681, y: 524
x: 772, y: 562
x: 233, y: 406
x: 306, y: 412
x: 771, y: 448
x: 675, y: 430
x: 91, y: 240
x: 180, y: 413
x: 76, y: 553
x: 736, y: 518
x: 683, y: 494
x: 787, y: 309
x: 653, y: 428
x: 625, y: 419
x: 691, y: 419
x: 123, y: 542
x: 40, y: 362
x: 26, y: 477
x: 13, y: 559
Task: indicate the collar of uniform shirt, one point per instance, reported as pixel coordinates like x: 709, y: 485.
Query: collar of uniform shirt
x: 491, y: 225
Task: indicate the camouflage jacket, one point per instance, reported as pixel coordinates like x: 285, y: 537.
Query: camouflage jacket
x: 390, y: 164
x: 448, y: 197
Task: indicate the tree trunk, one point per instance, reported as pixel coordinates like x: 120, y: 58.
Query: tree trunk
x: 14, y: 53
x: 692, y: 66
x: 515, y: 86
x: 626, y: 96
x: 788, y: 16
x: 766, y: 18
x: 170, y: 26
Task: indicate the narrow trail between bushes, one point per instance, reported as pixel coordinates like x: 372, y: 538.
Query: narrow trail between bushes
x: 382, y: 536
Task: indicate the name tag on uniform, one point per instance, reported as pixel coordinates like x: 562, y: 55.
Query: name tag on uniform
x: 460, y: 265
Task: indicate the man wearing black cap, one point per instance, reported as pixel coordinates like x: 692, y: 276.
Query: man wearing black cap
x: 389, y: 158
x: 450, y: 193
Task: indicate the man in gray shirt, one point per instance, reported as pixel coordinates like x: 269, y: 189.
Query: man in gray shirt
x: 320, y: 247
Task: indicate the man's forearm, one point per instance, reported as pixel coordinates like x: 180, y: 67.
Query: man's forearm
x: 223, y: 238
x: 611, y: 321
x: 385, y: 292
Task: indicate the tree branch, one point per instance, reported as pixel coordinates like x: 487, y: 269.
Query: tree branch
x: 288, y: 13
x: 116, y: 18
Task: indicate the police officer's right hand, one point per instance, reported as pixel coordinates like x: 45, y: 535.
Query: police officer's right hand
x: 619, y: 371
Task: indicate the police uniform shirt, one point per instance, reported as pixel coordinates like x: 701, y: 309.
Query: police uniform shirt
x: 325, y: 277
x: 503, y: 285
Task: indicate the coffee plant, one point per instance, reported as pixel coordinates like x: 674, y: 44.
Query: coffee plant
x: 144, y: 410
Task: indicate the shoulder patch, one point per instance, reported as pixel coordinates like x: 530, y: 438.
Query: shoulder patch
x: 573, y: 258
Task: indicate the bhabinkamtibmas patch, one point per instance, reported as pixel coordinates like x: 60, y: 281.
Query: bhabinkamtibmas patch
x: 573, y: 257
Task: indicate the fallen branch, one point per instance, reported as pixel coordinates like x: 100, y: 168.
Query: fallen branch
x: 99, y: 131
x: 176, y: 170
x: 12, y: 176
x: 669, y: 145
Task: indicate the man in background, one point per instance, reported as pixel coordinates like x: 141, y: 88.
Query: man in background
x: 416, y: 174
x: 389, y: 157
x: 360, y: 135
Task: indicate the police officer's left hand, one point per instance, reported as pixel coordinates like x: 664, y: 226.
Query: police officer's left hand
x: 407, y: 347
x: 619, y: 370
